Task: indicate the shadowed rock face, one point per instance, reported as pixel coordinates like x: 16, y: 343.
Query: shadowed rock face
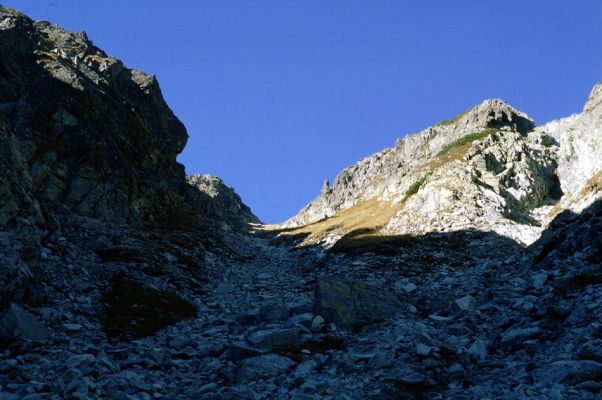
x: 84, y: 137
x: 222, y: 201
x: 79, y: 129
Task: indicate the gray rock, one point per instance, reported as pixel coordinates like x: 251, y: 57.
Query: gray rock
x: 241, y: 351
x: 304, y: 319
x: 169, y: 258
x: 353, y: 305
x: 520, y: 334
x: 272, y: 339
x: 539, y: 280
x: 465, y: 303
x: 305, y: 369
x: 478, y: 351
x: 179, y: 341
x: 80, y: 360
x: 262, y: 367
x: 274, y: 312
x: 17, y: 323
x: 72, y: 327
x: 224, y: 288
x: 98, y: 243
x: 318, y: 324
x: 409, y: 287
x: 423, y: 350
x: 567, y: 371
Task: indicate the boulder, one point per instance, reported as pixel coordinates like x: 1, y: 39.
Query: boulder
x: 262, y: 367
x: 568, y: 371
x: 277, y: 339
x: 353, y: 305
x: 17, y: 323
x: 135, y: 310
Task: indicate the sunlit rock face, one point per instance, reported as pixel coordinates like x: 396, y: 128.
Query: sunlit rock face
x: 489, y: 168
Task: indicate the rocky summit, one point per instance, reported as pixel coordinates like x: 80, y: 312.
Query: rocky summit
x: 463, y: 263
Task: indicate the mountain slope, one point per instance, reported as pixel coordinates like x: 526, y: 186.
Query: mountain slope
x: 88, y: 149
x: 489, y: 168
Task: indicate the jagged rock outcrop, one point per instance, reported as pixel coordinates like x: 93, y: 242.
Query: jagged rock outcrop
x: 80, y: 130
x: 83, y: 136
x: 488, y: 168
x: 223, y: 204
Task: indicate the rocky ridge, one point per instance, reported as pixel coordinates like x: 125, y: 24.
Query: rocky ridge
x: 135, y: 297
x: 82, y: 137
x: 488, y: 168
x: 224, y: 204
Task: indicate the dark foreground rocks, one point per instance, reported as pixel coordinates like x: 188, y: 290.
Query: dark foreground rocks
x: 353, y: 305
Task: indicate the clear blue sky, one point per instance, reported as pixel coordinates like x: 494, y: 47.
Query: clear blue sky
x: 279, y: 95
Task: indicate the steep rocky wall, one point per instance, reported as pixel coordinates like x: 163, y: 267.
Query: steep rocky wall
x: 80, y: 130
x: 88, y: 145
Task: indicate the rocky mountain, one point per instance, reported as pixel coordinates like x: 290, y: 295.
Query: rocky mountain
x: 223, y: 202
x: 488, y: 168
x: 122, y: 278
x: 83, y: 136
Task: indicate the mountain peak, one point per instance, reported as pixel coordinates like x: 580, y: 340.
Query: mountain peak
x: 595, y: 100
x: 491, y: 113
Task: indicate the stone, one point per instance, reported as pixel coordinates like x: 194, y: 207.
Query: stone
x: 478, y: 351
x: 274, y: 339
x: 539, y: 280
x: 179, y: 341
x: 353, y: 305
x: 465, y: 303
x: 224, y: 288
x: 423, y: 350
x: 80, y: 360
x: 241, y: 351
x: 273, y: 312
x: 520, y: 334
x: 18, y: 323
x: 305, y: 369
x: 318, y: 323
x: 567, y: 371
x: 304, y: 319
x: 263, y: 367
x: 98, y: 243
x: 170, y: 258
x: 72, y: 327
x: 136, y: 310
x: 409, y: 287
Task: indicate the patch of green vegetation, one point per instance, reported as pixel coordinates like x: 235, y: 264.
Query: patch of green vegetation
x: 467, y: 139
x: 454, y: 119
x: 414, y: 187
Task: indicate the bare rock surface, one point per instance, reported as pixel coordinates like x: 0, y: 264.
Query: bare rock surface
x: 121, y: 279
x: 488, y: 168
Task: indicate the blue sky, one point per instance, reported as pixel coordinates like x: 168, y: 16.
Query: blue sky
x: 279, y: 95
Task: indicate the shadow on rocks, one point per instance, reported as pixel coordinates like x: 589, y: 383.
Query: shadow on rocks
x: 135, y: 310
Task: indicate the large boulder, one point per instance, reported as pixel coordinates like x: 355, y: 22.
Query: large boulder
x: 136, y: 310
x: 352, y: 305
x: 16, y: 323
x: 263, y: 367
